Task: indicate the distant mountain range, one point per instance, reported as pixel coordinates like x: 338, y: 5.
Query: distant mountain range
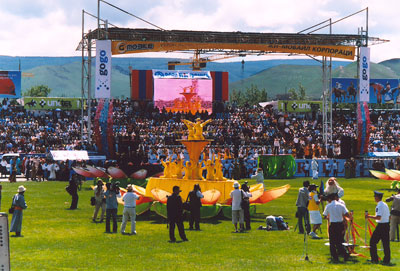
x: 63, y: 74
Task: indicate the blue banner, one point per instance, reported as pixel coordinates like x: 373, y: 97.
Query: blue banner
x: 381, y: 91
x: 10, y: 84
x: 344, y: 90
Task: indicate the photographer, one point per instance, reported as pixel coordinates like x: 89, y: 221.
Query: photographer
x: 302, y: 211
x: 246, y: 206
x: 194, y: 198
x: 100, y: 201
x: 112, y: 205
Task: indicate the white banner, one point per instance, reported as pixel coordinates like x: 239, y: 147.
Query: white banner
x: 103, y: 69
x: 69, y: 155
x: 168, y: 74
x: 364, y: 74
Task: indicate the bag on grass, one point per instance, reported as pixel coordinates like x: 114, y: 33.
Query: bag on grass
x: 93, y: 201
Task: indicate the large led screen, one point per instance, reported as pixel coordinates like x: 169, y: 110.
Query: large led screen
x: 183, y: 91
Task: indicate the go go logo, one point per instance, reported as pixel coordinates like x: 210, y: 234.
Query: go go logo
x: 103, y: 61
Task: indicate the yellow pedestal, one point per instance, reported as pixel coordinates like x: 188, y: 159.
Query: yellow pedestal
x: 225, y: 187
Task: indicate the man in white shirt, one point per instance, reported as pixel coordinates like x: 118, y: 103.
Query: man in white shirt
x: 129, y: 200
x: 259, y: 177
x: 381, y: 231
x: 335, y: 168
x: 335, y: 212
x: 237, y: 211
x: 314, y: 168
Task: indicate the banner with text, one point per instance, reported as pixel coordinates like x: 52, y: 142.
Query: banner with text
x: 167, y: 74
x: 299, y: 106
x: 103, y: 69
x: 10, y: 84
x: 45, y: 103
x: 364, y: 74
x: 130, y: 47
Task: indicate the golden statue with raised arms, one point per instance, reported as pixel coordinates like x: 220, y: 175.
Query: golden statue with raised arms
x: 190, y: 126
x: 196, y: 128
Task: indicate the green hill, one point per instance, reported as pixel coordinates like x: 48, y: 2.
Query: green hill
x: 63, y: 74
x: 65, y: 80
x: 393, y: 64
x: 377, y: 71
x: 279, y: 79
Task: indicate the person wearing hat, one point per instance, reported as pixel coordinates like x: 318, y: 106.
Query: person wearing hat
x: 302, y: 211
x: 313, y: 209
x: 237, y: 211
x: 334, y: 211
x: 19, y: 204
x: 100, y: 201
x: 129, y: 212
x: 381, y: 231
x: 175, y: 214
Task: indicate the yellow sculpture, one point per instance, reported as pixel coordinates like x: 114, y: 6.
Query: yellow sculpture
x: 210, y: 170
x: 167, y: 169
x: 200, y: 169
x: 198, y: 128
x: 219, y: 175
x: 193, y: 169
x: 188, y: 171
x: 190, y: 126
x: 179, y: 168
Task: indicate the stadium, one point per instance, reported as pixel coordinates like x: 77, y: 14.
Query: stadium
x: 181, y: 131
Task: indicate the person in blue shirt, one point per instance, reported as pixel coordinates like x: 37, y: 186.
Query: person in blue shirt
x: 19, y: 204
x: 112, y: 205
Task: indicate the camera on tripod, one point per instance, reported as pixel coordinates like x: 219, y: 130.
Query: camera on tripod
x: 114, y: 187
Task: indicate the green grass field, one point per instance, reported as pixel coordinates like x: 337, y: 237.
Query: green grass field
x: 55, y: 238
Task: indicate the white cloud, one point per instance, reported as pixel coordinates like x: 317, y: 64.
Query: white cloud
x: 44, y: 27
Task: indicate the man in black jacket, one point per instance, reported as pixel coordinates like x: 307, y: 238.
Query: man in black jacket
x: 195, y: 197
x: 174, y: 213
x: 73, y: 191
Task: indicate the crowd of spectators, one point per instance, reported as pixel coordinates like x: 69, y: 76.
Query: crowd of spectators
x: 143, y: 134
x: 249, y: 131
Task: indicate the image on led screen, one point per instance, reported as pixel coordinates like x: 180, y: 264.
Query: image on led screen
x: 183, y: 95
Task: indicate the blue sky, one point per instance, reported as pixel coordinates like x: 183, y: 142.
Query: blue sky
x: 53, y: 27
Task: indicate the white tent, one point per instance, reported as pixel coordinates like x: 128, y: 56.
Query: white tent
x: 274, y: 104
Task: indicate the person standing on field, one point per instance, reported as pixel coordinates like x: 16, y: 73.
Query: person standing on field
x: 381, y: 231
x: 19, y: 204
x: 129, y: 199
